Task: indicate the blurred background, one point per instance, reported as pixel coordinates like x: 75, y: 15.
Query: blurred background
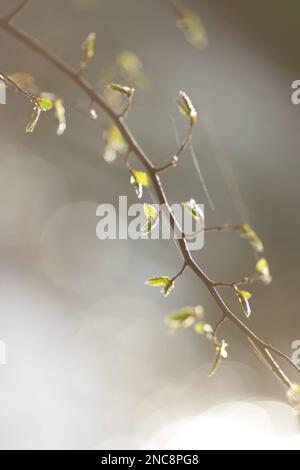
x: 89, y: 362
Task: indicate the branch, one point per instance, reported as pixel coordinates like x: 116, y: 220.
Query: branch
x: 258, y: 344
x: 6, y: 79
x: 19, y: 8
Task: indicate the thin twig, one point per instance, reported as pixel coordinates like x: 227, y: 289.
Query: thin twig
x: 184, y: 144
x: 218, y: 325
x: 6, y: 79
x: 19, y: 8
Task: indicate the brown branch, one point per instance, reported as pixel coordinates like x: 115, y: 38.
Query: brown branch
x: 258, y: 344
x: 19, y: 8
x: 6, y: 79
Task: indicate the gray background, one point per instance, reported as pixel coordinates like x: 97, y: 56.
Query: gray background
x: 89, y: 363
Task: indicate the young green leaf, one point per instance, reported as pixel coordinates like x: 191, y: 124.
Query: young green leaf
x: 148, y: 227
x: 244, y: 297
x: 193, y: 29
x: 88, y: 50
x: 263, y: 270
x: 247, y: 232
x: 184, y: 318
x: 166, y: 290
x: 34, y: 119
x: 204, y: 329
x: 165, y: 282
x: 140, y: 177
x: 131, y: 69
x: 221, y: 352
x: 44, y: 103
x: 60, y: 115
x: 114, y: 139
x: 124, y: 90
x: 193, y: 209
x: 293, y: 395
x: 199, y: 328
x: 152, y: 219
x: 158, y: 281
x: 186, y: 107
x: 115, y: 143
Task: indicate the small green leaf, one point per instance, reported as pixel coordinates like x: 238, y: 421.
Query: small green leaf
x: 193, y: 209
x: 293, y: 395
x: 88, y: 50
x: 158, y: 281
x: 204, y: 329
x: 199, y: 328
x: 262, y: 267
x: 221, y: 352
x: 165, y: 282
x: 44, y: 103
x: 166, y: 290
x: 296, y: 389
x: 26, y: 81
x: 244, y: 297
x: 150, y: 211
x: 193, y: 29
x: 184, y: 318
x: 115, y: 139
x: 131, y: 69
x: 152, y: 220
x: 186, y: 107
x: 34, y: 119
x: 129, y: 61
x: 140, y: 177
x: 247, y: 232
x: 124, y: 90
x: 60, y: 115
x: 148, y: 227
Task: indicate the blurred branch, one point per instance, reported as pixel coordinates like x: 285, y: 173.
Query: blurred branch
x: 19, y: 8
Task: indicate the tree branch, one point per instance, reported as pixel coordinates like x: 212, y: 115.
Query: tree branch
x: 258, y: 344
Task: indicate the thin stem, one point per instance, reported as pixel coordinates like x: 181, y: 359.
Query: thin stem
x: 19, y: 8
x: 126, y: 109
x: 184, y: 144
x: 258, y: 343
x: 218, y: 228
x: 5, y: 78
x: 245, y: 280
x: 180, y: 272
x: 171, y: 164
x: 218, y: 325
